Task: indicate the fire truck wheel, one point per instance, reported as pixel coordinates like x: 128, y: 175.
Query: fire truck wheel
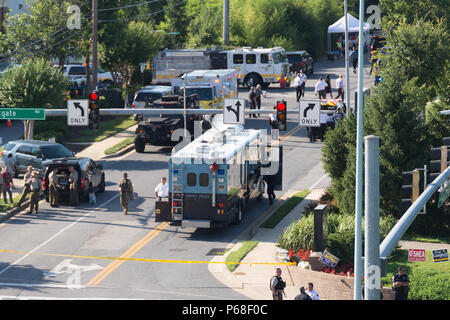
x: 139, y: 144
x: 252, y: 80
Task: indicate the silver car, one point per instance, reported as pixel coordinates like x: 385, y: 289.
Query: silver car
x: 32, y: 153
x: 150, y: 92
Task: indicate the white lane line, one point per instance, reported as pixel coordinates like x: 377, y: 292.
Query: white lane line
x: 318, y: 181
x: 58, y: 233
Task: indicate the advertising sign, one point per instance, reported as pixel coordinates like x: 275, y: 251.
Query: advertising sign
x: 416, y: 255
x: 440, y: 255
x: 328, y: 259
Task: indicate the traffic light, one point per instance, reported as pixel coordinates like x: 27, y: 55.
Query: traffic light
x: 410, y: 187
x: 94, y: 110
x: 282, y: 115
x: 440, y: 158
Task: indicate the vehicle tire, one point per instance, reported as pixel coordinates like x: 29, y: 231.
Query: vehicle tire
x: 139, y: 144
x: 239, y: 212
x: 102, y: 185
x: 252, y: 80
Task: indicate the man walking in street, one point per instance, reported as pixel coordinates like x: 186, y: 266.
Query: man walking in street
x: 340, y: 87
x: 73, y: 183
x: 321, y: 86
x: 354, y: 58
x: 162, y: 189
x: 297, y: 86
x: 26, y: 185
x: 258, y: 94
x: 126, y: 192
x: 302, y: 81
x: 54, y: 188
x: 400, y: 284
x: 35, y: 188
x: 270, y: 186
x: 277, y: 286
x: 252, y: 100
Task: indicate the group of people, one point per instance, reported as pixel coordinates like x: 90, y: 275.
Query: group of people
x: 277, y: 286
x: 323, y: 87
x: 254, y: 99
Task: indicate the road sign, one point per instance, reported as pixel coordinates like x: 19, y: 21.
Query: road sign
x: 440, y: 255
x: 416, y: 255
x: 310, y: 113
x: 234, y: 111
x: 22, y: 114
x: 77, y: 112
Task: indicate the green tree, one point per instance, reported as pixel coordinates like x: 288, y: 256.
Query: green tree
x: 33, y: 84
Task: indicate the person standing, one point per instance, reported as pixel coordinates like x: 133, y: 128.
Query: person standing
x: 126, y: 192
x: 26, y: 185
x: 252, y: 100
x: 302, y: 295
x: 320, y: 89
x: 339, y: 46
x: 297, y: 86
x: 400, y: 284
x: 73, y: 183
x: 277, y: 286
x: 340, y: 87
x: 270, y: 186
x: 354, y: 58
x: 273, y: 119
x: 323, y: 125
x: 328, y: 88
x: 312, y: 293
x: 8, y: 184
x: 338, y: 115
x: 35, y: 188
x: 258, y: 94
x: 54, y: 188
x: 162, y: 189
x: 10, y: 163
x: 303, y: 79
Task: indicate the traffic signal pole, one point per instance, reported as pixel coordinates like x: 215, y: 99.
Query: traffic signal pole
x: 94, y: 43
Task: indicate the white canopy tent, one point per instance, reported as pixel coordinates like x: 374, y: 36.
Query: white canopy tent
x: 353, y: 26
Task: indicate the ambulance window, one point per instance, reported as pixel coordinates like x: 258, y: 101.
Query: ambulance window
x: 191, y: 179
x: 203, y: 179
x: 238, y: 58
x: 264, y: 58
x: 250, y: 58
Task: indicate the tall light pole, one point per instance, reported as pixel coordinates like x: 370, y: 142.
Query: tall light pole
x: 347, y: 72
x: 94, y: 43
x: 226, y: 22
x: 359, y: 159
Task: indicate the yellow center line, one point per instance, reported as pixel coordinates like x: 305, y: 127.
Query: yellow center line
x: 128, y: 254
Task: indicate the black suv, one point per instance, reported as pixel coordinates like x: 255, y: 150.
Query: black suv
x: 91, y: 177
x: 300, y: 60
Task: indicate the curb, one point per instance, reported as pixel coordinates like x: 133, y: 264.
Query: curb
x: 119, y: 153
x: 11, y: 213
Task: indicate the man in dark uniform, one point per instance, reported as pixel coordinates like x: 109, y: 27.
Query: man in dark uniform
x: 270, y: 186
x: 400, y: 284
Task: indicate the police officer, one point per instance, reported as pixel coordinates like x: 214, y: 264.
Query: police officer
x: 400, y: 284
x: 26, y: 186
x: 35, y: 188
x: 54, y: 188
x: 270, y: 186
x: 126, y: 191
x: 73, y: 190
x: 277, y: 286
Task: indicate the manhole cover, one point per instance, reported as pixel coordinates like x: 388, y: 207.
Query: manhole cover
x: 217, y: 252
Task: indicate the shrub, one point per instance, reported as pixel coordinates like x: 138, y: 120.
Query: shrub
x: 298, y: 235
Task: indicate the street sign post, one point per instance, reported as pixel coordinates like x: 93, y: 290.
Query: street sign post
x: 234, y: 111
x: 310, y: 113
x: 77, y: 113
x: 22, y: 114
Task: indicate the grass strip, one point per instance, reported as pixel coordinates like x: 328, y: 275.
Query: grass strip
x: 239, y: 254
x: 119, y: 146
x: 8, y: 206
x: 284, y: 209
x: 107, y: 128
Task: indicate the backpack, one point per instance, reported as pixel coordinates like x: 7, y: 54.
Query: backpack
x: 280, y: 284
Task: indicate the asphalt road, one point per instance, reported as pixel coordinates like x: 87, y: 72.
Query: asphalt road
x: 68, y: 253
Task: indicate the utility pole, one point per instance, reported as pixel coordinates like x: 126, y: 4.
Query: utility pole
x: 347, y: 72
x: 94, y: 43
x: 226, y: 22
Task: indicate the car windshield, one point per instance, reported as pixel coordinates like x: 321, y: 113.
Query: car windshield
x: 202, y: 93
x: 143, y: 96
x: 56, y: 151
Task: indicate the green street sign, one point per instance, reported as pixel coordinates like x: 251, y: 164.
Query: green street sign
x: 22, y: 114
x: 443, y: 195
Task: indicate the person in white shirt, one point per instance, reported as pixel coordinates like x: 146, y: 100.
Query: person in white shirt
x: 311, y: 292
x: 340, y: 87
x: 302, y: 82
x: 320, y: 89
x: 297, y: 86
x: 162, y: 189
x: 273, y: 118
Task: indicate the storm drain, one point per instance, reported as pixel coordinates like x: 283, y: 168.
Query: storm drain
x: 217, y: 252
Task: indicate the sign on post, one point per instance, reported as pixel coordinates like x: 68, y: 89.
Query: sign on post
x: 309, y: 113
x: 77, y: 112
x: 328, y: 259
x: 440, y: 255
x: 22, y: 114
x: 234, y: 111
x: 416, y: 255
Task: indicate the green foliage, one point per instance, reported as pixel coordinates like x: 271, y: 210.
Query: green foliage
x: 52, y: 127
x: 299, y: 234
x: 236, y: 256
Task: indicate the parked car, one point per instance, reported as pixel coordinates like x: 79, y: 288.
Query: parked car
x: 153, y: 92
x: 91, y: 177
x: 77, y: 73
x: 33, y: 153
x: 300, y: 60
